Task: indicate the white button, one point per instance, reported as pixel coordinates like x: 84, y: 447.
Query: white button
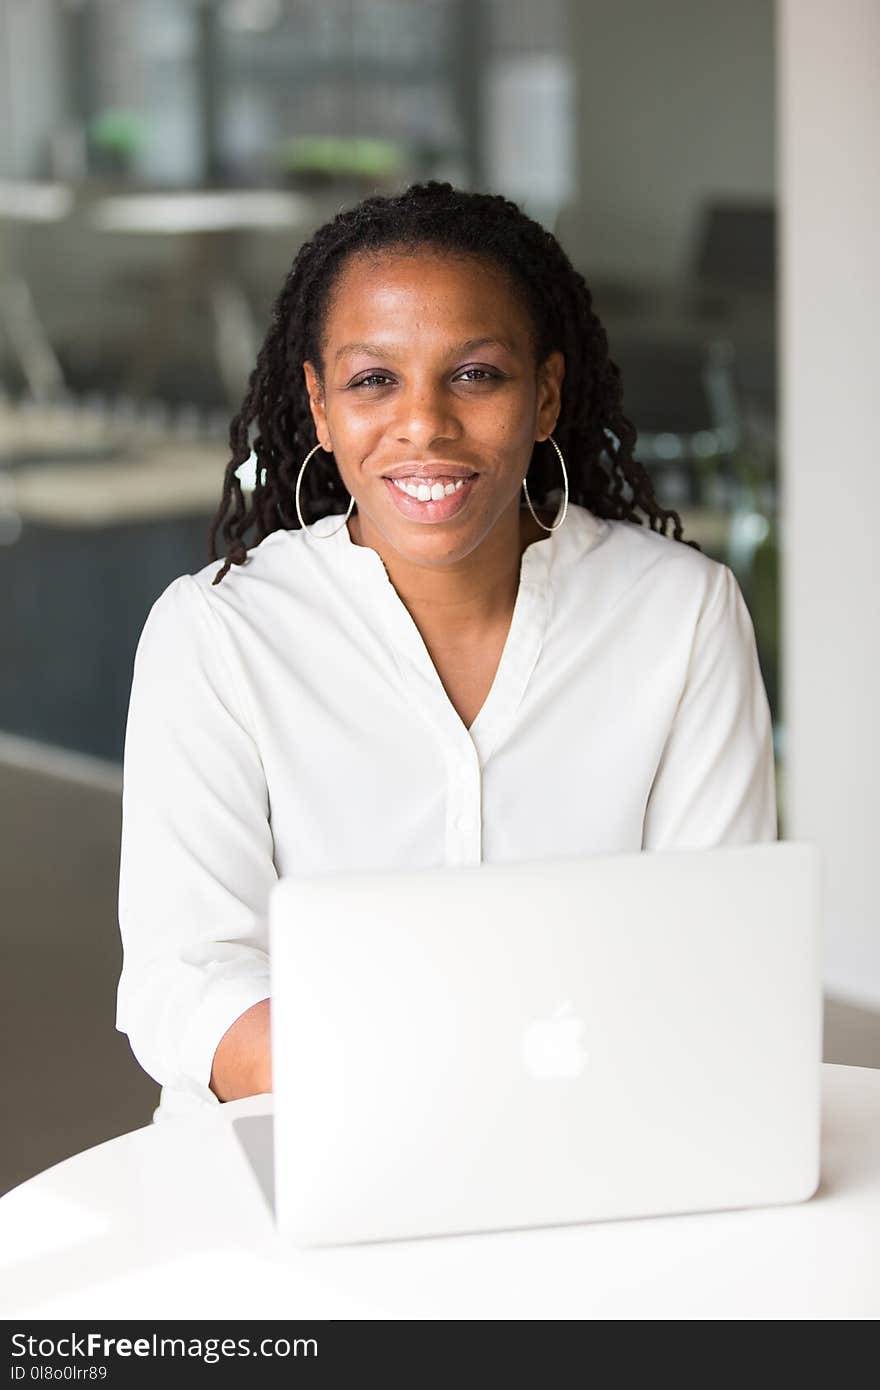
x: 465, y: 823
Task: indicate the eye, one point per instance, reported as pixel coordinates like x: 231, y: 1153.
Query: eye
x: 477, y: 374
x: 368, y: 380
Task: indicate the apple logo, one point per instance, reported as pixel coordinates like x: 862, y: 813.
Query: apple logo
x: 551, y: 1046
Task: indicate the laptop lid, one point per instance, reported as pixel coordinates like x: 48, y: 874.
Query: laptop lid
x: 494, y: 1046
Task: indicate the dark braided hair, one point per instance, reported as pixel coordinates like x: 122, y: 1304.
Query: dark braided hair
x: 596, y: 438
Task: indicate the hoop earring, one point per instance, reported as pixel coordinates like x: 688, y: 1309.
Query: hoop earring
x: 556, y: 525
x: 299, y: 479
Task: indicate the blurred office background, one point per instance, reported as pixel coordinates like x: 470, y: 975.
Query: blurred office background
x: 160, y: 163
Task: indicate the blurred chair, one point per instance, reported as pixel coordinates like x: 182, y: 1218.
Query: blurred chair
x: 688, y: 431
x: 209, y: 226
x: 23, y: 205
x: 735, y: 250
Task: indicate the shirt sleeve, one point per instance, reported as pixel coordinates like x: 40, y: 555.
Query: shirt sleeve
x: 196, y: 855
x: 715, y: 783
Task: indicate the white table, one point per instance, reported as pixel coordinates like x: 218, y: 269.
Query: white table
x: 171, y: 1221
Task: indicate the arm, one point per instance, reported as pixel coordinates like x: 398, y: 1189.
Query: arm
x: 196, y: 860
x: 715, y: 782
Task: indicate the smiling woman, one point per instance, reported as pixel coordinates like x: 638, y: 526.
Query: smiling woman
x: 430, y: 406
x: 461, y: 305
x: 426, y: 668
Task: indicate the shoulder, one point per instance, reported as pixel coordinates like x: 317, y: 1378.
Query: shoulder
x: 211, y: 625
x: 276, y: 571
x: 271, y: 561
x: 200, y: 638
x: 667, y: 571
x: 192, y: 607
x: 638, y: 545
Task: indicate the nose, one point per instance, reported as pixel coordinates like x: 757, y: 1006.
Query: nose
x: 426, y: 414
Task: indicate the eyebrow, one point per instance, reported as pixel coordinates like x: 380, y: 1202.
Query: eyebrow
x: 470, y: 344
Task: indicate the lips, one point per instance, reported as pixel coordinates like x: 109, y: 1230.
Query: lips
x: 430, y: 472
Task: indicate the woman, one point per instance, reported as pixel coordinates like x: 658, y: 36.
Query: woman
x: 482, y: 655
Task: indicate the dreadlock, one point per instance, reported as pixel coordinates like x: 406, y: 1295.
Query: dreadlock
x: 594, y: 435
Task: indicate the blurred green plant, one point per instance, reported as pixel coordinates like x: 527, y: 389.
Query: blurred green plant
x: 115, y: 136
x: 338, y: 156
x: 117, y: 131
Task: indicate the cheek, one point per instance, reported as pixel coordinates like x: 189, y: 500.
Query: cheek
x: 355, y: 429
x: 507, y: 425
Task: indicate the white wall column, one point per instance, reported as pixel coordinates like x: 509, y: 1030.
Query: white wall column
x: 828, y: 123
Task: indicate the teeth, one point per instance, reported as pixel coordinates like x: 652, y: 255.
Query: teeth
x: 427, y: 492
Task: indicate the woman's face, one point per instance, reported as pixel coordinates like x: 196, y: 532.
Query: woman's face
x: 429, y: 377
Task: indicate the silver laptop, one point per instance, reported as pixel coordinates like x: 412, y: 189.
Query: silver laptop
x: 498, y: 1046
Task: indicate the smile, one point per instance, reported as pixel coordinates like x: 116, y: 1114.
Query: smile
x: 430, y: 499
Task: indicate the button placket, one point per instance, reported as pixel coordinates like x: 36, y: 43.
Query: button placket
x: 464, y: 829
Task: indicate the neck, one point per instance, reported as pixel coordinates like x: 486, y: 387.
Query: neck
x: 469, y: 596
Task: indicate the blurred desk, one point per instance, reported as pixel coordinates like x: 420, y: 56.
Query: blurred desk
x: 172, y: 1221
x: 88, y: 548
x: 174, y: 479
x: 170, y: 214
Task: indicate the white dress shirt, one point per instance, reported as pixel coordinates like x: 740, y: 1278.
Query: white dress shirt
x: 290, y: 720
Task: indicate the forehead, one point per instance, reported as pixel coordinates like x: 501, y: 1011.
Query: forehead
x: 405, y: 294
